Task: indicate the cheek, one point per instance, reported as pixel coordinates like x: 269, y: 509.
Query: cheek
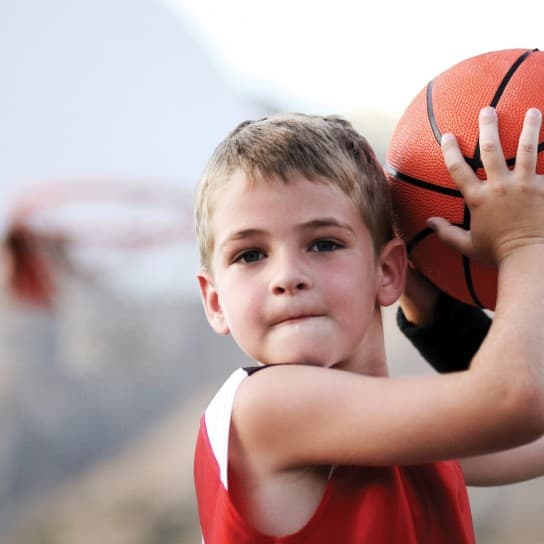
x: 351, y: 288
x: 241, y: 306
x: 243, y: 315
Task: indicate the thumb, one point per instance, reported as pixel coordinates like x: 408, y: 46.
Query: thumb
x: 453, y: 236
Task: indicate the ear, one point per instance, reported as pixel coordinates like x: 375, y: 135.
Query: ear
x: 392, y: 264
x: 211, y: 303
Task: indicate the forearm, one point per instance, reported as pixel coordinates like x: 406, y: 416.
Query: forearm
x: 517, y: 323
x: 512, y: 356
x: 505, y: 467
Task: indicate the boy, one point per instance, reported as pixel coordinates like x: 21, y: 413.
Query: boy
x: 317, y: 443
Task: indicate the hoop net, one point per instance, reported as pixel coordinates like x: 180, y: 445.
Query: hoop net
x: 109, y: 232
x: 115, y: 261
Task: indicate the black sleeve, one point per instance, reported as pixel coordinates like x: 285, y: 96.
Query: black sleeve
x: 450, y: 341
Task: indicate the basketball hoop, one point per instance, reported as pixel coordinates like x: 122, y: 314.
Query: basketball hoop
x: 100, y: 230
x: 106, y: 213
x: 115, y: 261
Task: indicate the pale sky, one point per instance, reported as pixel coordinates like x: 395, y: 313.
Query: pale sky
x: 346, y: 55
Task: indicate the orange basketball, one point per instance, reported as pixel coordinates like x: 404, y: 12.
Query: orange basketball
x: 510, y: 80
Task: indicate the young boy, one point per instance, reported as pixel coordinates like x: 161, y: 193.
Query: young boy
x: 316, y: 443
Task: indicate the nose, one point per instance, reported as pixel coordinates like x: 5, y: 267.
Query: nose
x: 289, y: 276
x: 289, y: 287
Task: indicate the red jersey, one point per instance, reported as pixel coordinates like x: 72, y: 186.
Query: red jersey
x: 414, y: 504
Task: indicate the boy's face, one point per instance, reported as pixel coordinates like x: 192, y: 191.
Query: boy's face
x: 295, y: 278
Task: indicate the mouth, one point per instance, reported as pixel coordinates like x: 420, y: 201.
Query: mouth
x: 296, y: 319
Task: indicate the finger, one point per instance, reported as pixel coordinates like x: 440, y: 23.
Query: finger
x: 490, y: 144
x: 527, y: 153
x: 458, y: 168
x: 455, y: 237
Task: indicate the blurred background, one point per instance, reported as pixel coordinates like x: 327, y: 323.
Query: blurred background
x: 108, y: 112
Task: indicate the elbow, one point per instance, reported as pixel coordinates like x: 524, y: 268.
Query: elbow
x: 514, y: 407
x: 524, y: 404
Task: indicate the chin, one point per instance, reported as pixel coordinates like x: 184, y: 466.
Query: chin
x: 307, y: 357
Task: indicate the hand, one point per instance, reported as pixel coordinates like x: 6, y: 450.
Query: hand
x: 507, y: 210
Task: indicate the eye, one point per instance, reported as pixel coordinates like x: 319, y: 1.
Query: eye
x: 249, y: 256
x: 325, y: 245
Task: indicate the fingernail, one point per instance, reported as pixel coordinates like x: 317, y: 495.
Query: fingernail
x: 488, y: 111
x: 431, y: 223
x: 446, y: 138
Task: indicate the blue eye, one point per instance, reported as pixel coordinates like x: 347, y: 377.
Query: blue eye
x: 325, y: 245
x: 249, y: 256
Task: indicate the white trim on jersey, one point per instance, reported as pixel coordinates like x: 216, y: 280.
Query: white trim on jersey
x: 217, y: 417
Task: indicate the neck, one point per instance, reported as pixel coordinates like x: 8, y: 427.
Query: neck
x: 370, y: 356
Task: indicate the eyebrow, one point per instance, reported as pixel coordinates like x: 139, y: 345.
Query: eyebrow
x: 325, y: 222
x: 308, y: 225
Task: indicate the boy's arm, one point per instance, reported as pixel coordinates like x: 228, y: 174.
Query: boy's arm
x: 505, y: 467
x: 446, y: 332
x: 298, y: 415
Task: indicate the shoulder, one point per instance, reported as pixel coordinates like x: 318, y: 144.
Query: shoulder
x: 276, y: 408
x: 275, y: 390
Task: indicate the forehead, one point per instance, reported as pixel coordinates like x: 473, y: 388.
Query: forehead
x: 272, y: 203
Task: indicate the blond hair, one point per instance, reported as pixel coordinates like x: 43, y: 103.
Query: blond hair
x: 321, y: 149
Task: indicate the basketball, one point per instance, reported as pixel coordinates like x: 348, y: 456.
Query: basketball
x: 510, y: 80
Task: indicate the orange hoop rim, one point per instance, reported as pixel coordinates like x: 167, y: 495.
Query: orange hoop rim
x: 41, y: 200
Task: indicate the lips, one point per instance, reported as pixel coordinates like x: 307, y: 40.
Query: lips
x: 294, y: 318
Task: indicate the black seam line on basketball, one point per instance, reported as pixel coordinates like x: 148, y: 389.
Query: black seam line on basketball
x: 466, y: 263
x: 421, y: 235
x: 469, y: 282
x: 430, y: 113
x: 500, y: 91
x: 506, y: 79
x: 423, y: 184
x: 475, y: 164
